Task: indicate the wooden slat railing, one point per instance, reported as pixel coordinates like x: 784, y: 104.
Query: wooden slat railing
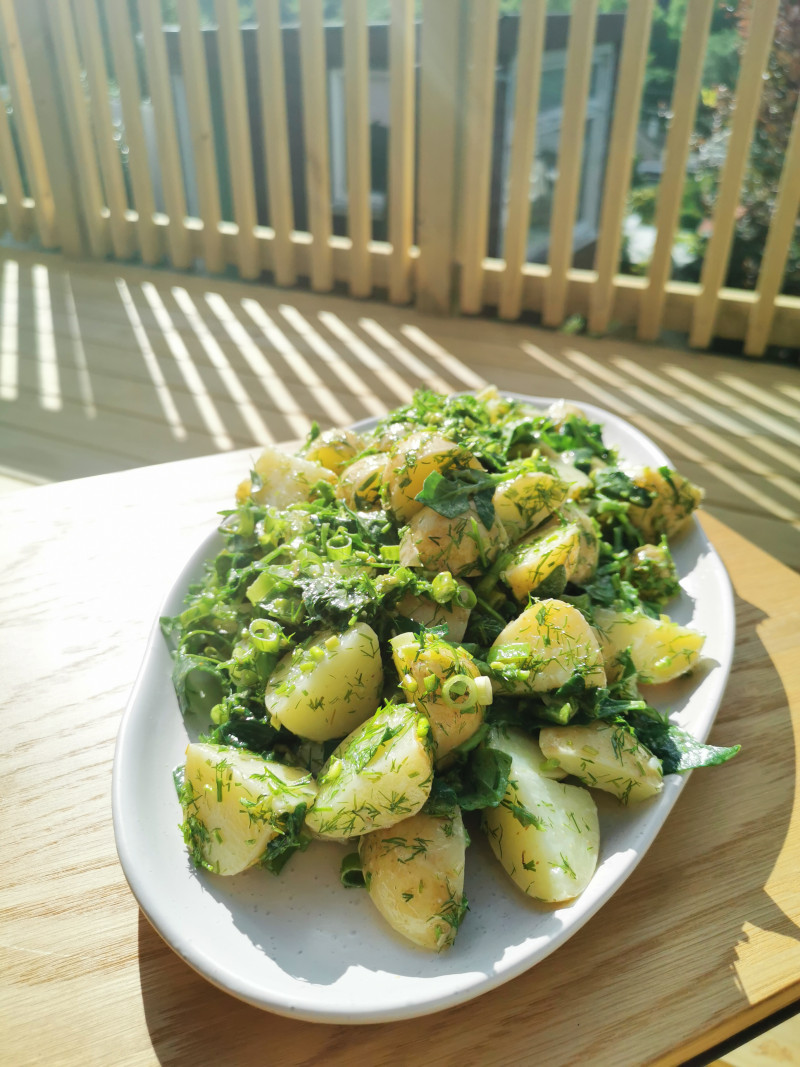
x: 187, y: 191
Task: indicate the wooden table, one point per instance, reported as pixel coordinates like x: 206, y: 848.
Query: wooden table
x: 702, y: 940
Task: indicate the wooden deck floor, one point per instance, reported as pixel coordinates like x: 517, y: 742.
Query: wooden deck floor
x: 105, y: 367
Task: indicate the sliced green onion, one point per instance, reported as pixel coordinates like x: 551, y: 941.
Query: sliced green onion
x: 485, y: 692
x: 430, y: 683
x: 316, y: 653
x: 409, y: 684
x: 391, y: 553
x: 339, y: 547
x: 265, y: 635
x: 243, y: 675
x: 332, y: 643
x: 460, y: 692
x: 466, y: 597
x: 261, y: 587
x: 350, y: 873
x: 444, y: 587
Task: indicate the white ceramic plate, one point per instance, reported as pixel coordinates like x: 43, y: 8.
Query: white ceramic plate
x: 303, y: 946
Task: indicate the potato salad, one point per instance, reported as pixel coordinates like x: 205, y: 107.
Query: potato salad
x: 434, y: 629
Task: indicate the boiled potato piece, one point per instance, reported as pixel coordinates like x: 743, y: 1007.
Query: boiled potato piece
x: 284, y: 479
x: 414, y: 873
x: 652, y: 570
x: 604, y: 756
x: 428, y: 612
x: 334, y: 448
x: 378, y: 776
x: 234, y: 804
x: 545, y: 834
x: 440, y: 679
x: 515, y: 742
x: 660, y: 649
x: 542, y: 649
x: 585, y: 563
x: 674, y: 498
x: 576, y: 480
x: 536, y: 556
x: 526, y: 500
x: 461, y: 545
x: 409, y: 463
x: 329, y: 685
x: 360, y: 483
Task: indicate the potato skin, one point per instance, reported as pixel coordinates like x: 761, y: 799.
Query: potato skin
x: 326, y: 688
x: 232, y: 800
x: 414, y: 873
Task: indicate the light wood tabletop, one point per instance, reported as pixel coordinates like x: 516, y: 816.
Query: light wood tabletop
x: 702, y: 940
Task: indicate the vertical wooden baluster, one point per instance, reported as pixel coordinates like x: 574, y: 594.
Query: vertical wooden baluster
x: 276, y: 138
x: 237, y: 134
x: 19, y: 219
x: 315, y: 137
x: 630, y: 80
x: 155, y: 49
x: 121, y: 37
x: 359, y: 179
x: 577, y: 79
x: 670, y: 193
x: 27, y: 124
x: 530, y: 46
x: 477, y: 156
x: 748, y: 99
x: 437, y: 195
x: 401, y: 148
x: 198, y: 102
x: 90, y: 185
x: 782, y: 229
x: 102, y: 126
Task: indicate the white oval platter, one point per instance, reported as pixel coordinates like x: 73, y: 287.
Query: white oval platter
x: 303, y: 946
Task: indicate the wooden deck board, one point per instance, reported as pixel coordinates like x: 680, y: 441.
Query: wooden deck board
x: 107, y: 367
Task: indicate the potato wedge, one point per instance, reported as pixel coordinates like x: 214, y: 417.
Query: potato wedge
x: 410, y: 461
x: 661, y: 649
x: 284, y: 479
x: 525, y: 501
x: 334, y: 448
x: 545, y: 834
x: 603, y: 756
x: 378, y: 776
x: 328, y: 686
x: 235, y: 803
x: 431, y: 674
x: 535, y: 558
x: 674, y: 498
x: 461, y: 545
x: 360, y: 483
x: 543, y: 648
x: 414, y: 873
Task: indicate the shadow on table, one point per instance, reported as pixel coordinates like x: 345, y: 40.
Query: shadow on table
x: 706, y: 926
